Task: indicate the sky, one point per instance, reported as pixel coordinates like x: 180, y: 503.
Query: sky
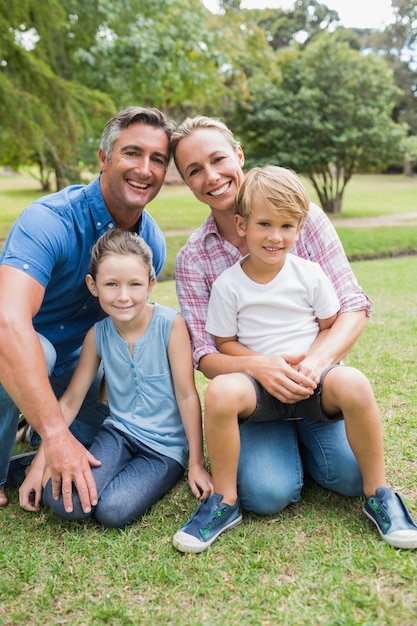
x: 353, y: 13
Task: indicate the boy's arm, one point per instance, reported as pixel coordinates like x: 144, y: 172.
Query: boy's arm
x: 30, y: 492
x: 231, y: 346
x: 180, y: 358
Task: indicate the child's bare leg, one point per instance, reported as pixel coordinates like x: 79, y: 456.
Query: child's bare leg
x: 3, y: 498
x: 227, y: 397
x: 346, y: 389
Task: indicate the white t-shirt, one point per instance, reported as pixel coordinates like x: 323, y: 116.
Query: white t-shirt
x: 274, y: 318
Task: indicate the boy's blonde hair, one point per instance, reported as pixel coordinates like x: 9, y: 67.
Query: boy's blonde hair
x: 280, y: 189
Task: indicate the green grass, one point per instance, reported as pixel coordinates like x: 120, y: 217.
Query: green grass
x: 177, y: 212
x: 369, y: 195
x: 320, y: 561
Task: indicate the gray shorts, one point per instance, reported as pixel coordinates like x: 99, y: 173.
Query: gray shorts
x: 269, y: 408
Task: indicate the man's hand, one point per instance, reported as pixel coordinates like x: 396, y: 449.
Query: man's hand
x: 69, y: 463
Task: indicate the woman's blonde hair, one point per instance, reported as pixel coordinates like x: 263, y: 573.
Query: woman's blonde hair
x: 190, y: 124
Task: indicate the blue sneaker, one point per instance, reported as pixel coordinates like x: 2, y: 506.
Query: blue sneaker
x: 210, y: 520
x: 387, y: 510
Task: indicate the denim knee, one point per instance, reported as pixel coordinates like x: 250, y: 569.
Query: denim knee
x: 57, y: 506
x: 269, y: 498
x: 270, y: 473
x: 328, y: 457
x: 113, y: 516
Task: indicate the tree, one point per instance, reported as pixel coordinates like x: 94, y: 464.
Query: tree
x: 48, y: 117
x: 397, y: 43
x: 304, y: 21
x: 157, y: 53
x: 328, y: 116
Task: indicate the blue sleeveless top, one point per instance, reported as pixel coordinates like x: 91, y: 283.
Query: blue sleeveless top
x: 140, y: 389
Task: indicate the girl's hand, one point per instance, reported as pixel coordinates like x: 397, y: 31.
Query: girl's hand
x: 30, y: 491
x: 200, y: 482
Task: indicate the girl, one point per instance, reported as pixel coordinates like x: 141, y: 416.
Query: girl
x: 154, y: 406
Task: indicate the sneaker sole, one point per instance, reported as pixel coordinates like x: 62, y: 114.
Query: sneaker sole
x: 398, y: 539
x: 188, y: 543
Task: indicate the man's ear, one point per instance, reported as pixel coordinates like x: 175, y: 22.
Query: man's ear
x: 102, y: 159
x: 91, y: 284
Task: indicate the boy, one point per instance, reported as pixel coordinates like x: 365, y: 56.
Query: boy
x: 274, y: 303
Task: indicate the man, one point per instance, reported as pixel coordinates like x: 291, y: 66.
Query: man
x: 45, y: 306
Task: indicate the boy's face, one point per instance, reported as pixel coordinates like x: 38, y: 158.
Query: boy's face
x: 270, y: 235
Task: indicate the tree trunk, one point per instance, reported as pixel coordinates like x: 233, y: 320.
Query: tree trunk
x: 408, y: 167
x: 333, y: 205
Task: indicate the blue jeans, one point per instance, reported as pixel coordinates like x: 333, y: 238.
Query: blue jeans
x: 84, y: 427
x: 274, y: 456
x: 131, y: 478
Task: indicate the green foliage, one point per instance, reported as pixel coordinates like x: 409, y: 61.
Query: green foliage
x: 53, y: 116
x: 66, y: 66
x: 155, y: 53
x: 304, y: 20
x: 327, y: 117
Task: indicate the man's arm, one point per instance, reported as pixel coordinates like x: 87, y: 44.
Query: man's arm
x: 24, y: 376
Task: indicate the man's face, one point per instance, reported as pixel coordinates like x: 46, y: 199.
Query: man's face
x: 136, y: 170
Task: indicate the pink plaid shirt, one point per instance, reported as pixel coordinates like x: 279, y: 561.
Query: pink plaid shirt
x: 206, y: 255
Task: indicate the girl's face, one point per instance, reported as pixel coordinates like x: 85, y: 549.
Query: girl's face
x: 210, y: 167
x: 122, y: 286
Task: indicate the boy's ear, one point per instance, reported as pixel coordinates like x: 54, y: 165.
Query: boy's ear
x: 240, y: 224
x: 90, y: 282
x: 152, y: 284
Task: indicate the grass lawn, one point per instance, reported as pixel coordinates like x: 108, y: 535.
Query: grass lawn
x: 319, y: 562
x: 177, y: 212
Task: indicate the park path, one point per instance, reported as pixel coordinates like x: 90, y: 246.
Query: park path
x: 398, y: 219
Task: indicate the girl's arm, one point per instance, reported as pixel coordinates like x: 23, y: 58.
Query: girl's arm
x: 30, y: 492
x: 180, y: 358
x: 82, y: 379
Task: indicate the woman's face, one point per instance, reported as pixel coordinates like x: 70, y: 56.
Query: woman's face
x: 210, y: 167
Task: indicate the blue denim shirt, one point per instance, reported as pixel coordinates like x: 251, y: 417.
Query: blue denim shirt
x: 51, y: 241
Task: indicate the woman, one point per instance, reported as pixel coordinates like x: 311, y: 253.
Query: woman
x: 274, y: 455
